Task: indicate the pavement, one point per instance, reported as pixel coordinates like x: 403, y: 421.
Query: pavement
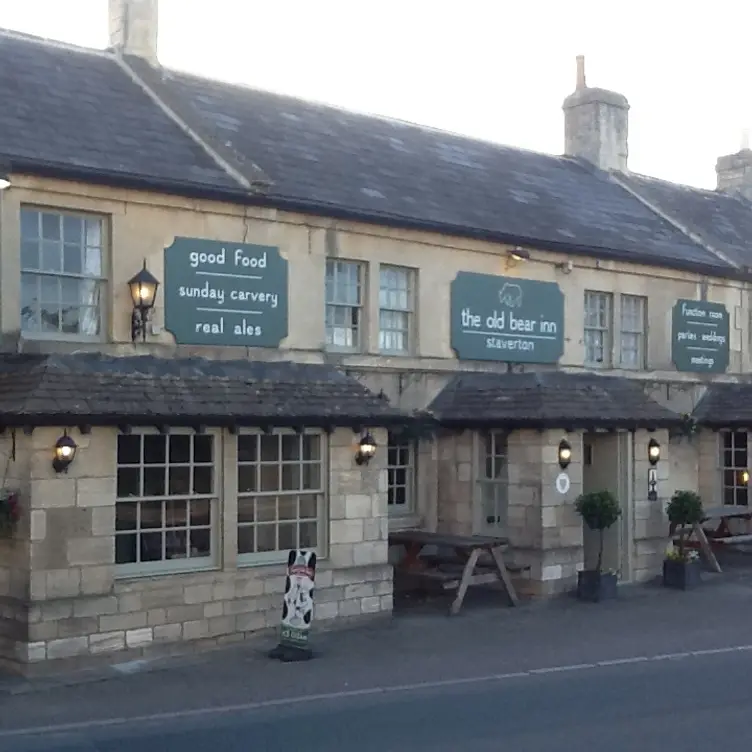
x: 651, y: 665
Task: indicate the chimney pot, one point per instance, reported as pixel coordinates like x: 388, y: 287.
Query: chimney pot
x: 581, y: 83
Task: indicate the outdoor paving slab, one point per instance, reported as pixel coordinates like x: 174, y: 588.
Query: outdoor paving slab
x: 411, y: 648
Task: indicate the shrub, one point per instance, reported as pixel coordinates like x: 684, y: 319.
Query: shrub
x: 599, y: 510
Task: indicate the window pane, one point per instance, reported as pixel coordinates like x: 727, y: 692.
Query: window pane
x: 273, y: 513
x: 343, y: 299
x: 65, y: 249
x: 159, y: 468
x: 51, y: 257
x: 180, y: 448
x: 51, y: 227
x: 29, y: 254
x: 734, y: 457
x: 400, y: 475
x: 30, y: 225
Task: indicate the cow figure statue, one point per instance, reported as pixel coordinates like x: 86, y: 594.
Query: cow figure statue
x: 297, y: 608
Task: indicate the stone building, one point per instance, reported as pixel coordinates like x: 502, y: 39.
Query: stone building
x: 326, y: 275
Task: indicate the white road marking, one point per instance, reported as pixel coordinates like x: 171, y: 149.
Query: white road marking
x: 344, y: 694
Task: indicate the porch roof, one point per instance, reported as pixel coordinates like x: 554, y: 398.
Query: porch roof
x: 94, y: 389
x: 548, y: 399
x: 725, y: 406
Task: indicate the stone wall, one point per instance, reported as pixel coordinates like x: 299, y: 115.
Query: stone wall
x: 78, y: 606
x: 14, y: 549
x: 544, y: 529
x: 650, y: 523
x: 455, y: 490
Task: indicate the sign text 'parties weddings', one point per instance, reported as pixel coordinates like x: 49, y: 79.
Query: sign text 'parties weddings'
x: 506, y: 319
x: 219, y: 293
x: 700, y: 336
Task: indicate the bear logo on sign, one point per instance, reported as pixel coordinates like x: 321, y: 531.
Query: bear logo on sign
x: 510, y: 295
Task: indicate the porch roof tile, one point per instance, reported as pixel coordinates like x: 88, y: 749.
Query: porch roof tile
x: 725, y: 406
x: 91, y: 388
x: 548, y: 399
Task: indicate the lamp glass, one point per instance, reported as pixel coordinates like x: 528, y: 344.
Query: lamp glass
x: 367, y: 446
x: 143, y: 288
x: 65, y: 449
x: 4, y: 182
x: 654, y: 451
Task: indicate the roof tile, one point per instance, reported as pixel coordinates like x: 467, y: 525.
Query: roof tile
x: 93, y: 388
x: 548, y: 399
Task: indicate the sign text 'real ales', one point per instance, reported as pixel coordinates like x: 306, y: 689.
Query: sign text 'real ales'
x: 219, y: 293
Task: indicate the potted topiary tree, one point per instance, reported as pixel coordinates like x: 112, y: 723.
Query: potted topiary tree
x: 681, y: 567
x: 599, y: 510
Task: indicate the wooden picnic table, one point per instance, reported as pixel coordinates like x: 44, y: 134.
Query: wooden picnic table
x: 454, y: 573
x: 721, y: 535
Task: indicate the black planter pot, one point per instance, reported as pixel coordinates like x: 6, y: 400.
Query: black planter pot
x: 596, y: 586
x: 681, y: 575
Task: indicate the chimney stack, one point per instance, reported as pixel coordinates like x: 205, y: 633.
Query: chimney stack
x: 596, y: 124
x: 734, y: 171
x: 133, y: 28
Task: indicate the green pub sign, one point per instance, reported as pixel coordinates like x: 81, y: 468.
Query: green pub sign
x: 700, y: 336
x: 220, y: 293
x: 506, y: 319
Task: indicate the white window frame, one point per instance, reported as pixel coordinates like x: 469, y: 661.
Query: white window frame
x: 731, y: 445
x: 633, y: 329
x: 598, y: 325
x: 402, y: 456
x: 337, y: 301
x: 39, y: 273
x: 496, y: 480
x: 321, y: 492
x: 390, y: 309
x: 176, y: 565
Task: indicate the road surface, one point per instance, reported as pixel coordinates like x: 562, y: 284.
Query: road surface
x: 693, y: 701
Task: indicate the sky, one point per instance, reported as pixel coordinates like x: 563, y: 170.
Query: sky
x: 492, y: 69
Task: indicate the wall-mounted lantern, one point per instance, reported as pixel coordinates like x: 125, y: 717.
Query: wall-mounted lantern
x: 654, y: 451
x: 143, y: 289
x: 65, y: 453
x: 366, y: 449
x: 565, y: 454
x: 519, y: 254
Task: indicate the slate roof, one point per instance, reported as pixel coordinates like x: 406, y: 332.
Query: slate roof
x: 327, y: 160
x: 723, y: 221
x: 95, y: 389
x: 78, y: 114
x: 548, y: 399
x: 725, y: 406
x: 75, y: 110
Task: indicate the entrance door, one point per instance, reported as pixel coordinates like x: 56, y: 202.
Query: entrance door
x: 607, y: 466
x: 492, y: 484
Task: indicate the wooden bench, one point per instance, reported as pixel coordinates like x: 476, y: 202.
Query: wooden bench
x: 458, y: 570
x: 439, y: 561
x: 721, y: 536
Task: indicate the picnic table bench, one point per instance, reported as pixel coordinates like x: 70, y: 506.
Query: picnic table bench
x: 721, y: 535
x: 458, y: 570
